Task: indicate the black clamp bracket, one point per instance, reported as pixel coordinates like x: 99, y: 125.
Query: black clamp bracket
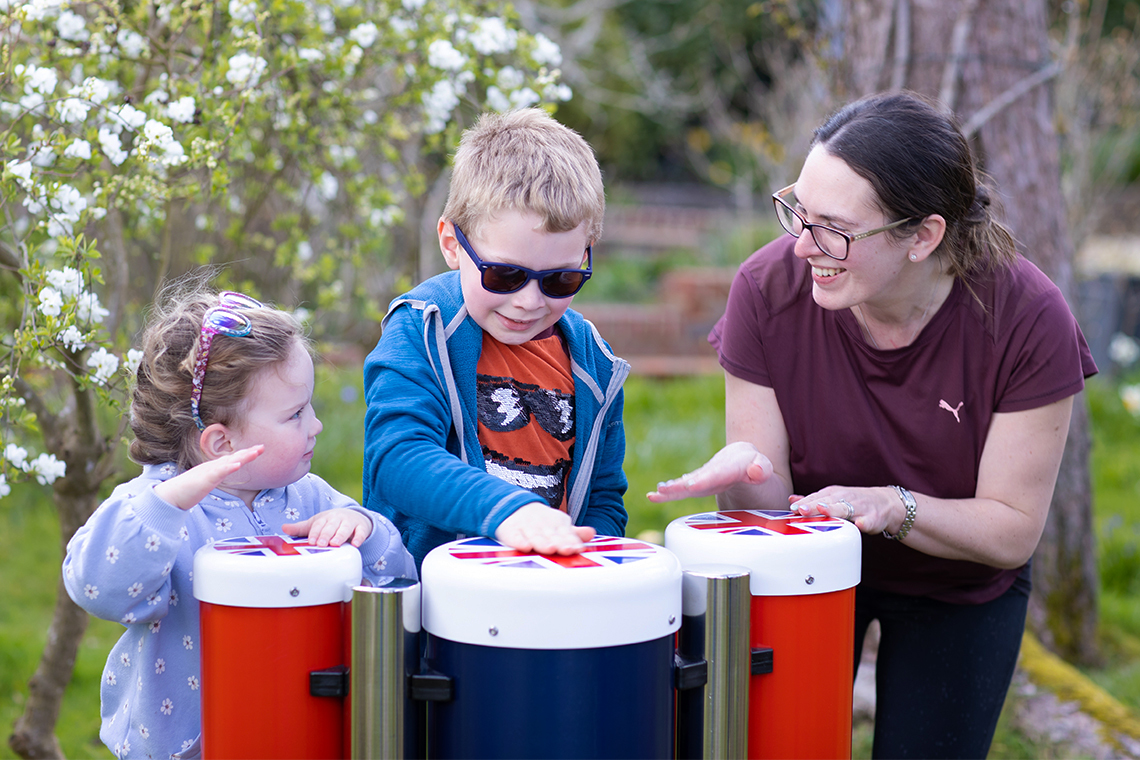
x: 762, y: 661
x: 331, y: 682
x: 689, y: 673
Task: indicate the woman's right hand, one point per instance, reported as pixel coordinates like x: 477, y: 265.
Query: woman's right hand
x: 738, y: 462
x: 188, y: 488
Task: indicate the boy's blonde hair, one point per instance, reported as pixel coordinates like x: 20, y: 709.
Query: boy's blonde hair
x: 526, y: 161
x: 161, y: 420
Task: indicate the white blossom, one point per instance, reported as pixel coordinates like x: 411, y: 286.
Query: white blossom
x: 364, y: 35
x: 304, y: 250
x: 111, y: 146
x: 104, y: 363
x: 68, y: 281
x: 492, y: 35
x: 132, y: 44
x: 496, y: 100
x: 17, y: 455
x: 40, y: 80
x: 310, y: 54
x: 413, y: 5
x: 131, y: 116
x: 93, y: 89
x: 438, y: 105
x: 442, y: 55
x: 245, y: 69
x: 510, y: 78
x: 524, y: 98
x: 5, y: 489
x: 546, y: 51
x: 327, y: 186
x: 71, y: 338
x: 73, y: 110
x: 558, y: 92
x: 50, y: 302
x: 88, y: 308
x: 243, y: 12
x: 1130, y: 395
x: 22, y: 171
x: 72, y: 26
x: 78, y: 149
x: 37, y: 10
x: 182, y: 110
x: 1123, y: 349
x: 47, y: 468
x: 132, y: 361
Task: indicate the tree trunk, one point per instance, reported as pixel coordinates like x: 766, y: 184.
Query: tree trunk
x: 33, y: 735
x: 989, y: 62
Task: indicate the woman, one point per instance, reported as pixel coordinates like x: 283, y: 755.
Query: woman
x: 895, y: 362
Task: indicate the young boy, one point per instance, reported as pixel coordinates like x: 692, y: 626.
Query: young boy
x: 493, y: 409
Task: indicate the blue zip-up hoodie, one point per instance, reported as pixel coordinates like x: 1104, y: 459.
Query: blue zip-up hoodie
x: 423, y: 464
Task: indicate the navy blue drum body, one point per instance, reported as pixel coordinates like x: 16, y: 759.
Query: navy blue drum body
x: 552, y: 657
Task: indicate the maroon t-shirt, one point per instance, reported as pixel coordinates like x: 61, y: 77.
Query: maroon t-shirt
x: 915, y: 416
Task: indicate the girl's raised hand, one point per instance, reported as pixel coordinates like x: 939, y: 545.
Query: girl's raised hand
x: 188, y: 488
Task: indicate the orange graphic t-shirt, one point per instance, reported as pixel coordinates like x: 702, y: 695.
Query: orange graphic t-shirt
x: 525, y: 401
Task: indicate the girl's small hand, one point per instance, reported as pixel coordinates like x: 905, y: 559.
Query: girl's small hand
x: 738, y: 462
x: 186, y: 489
x: 332, y: 527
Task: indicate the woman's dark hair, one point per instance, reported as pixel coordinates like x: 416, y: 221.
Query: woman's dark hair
x: 164, y: 428
x: 919, y: 163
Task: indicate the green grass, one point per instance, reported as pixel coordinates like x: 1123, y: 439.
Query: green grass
x: 671, y: 425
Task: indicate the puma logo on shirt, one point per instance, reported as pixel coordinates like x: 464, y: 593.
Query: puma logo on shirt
x: 952, y: 409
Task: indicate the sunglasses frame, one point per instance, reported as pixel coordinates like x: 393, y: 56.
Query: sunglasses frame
x: 229, y: 302
x: 531, y: 274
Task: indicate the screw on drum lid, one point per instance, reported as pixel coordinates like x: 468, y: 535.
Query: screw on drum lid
x: 785, y: 554
x: 617, y: 591
x: 275, y: 571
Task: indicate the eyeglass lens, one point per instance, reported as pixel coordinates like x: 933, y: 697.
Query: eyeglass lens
x: 830, y: 241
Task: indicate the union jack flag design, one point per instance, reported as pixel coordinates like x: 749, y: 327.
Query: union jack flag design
x: 270, y: 546
x: 605, y: 551
x: 752, y: 522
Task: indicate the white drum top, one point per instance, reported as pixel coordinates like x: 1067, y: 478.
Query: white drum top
x: 785, y: 555
x: 275, y: 571
x: 618, y: 591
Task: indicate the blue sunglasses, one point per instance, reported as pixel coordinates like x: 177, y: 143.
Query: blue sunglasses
x: 508, y: 278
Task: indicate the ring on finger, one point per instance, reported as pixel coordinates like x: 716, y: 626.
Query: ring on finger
x: 850, y: 509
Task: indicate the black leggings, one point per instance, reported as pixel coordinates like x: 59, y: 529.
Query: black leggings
x: 942, y: 673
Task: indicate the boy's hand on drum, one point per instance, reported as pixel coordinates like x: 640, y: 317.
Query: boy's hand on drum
x: 186, y: 489
x: 332, y: 527
x: 738, y: 462
x: 541, y: 528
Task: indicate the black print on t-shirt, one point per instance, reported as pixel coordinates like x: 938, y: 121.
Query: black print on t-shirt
x: 505, y: 404
x: 548, y: 482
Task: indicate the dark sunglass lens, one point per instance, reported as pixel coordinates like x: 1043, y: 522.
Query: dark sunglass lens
x: 562, y: 284
x: 499, y: 278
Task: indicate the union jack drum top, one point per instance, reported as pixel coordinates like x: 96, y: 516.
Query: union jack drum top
x: 617, y: 591
x: 785, y: 555
x: 275, y: 571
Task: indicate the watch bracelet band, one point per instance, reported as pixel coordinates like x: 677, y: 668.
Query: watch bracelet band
x: 911, y: 510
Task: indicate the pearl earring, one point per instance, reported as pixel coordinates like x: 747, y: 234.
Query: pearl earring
x: 914, y: 257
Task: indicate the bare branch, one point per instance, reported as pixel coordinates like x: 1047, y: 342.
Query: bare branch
x: 995, y: 106
x: 947, y: 91
x: 902, y: 44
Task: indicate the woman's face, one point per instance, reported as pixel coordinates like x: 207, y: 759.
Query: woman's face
x: 829, y: 192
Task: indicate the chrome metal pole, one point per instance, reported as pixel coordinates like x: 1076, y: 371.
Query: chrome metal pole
x: 385, y: 625
x: 715, y: 610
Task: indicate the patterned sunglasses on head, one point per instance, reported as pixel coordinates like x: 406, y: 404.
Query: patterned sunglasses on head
x: 224, y: 319
x: 508, y: 278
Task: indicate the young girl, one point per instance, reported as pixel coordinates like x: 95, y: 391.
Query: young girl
x: 224, y: 426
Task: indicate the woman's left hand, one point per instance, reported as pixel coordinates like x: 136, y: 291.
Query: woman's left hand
x: 872, y: 510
